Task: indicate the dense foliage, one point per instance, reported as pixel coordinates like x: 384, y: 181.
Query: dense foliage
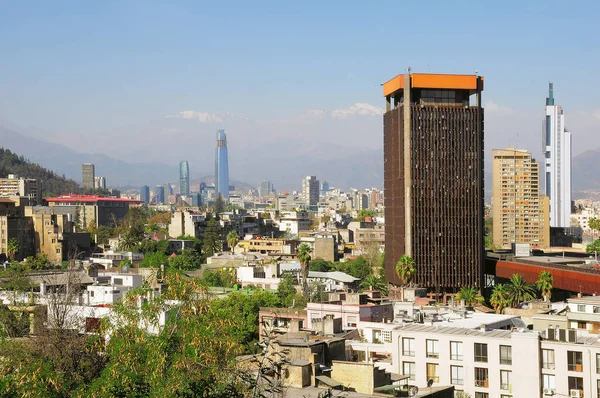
x: 52, y: 184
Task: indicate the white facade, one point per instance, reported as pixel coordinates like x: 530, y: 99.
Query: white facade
x: 557, y: 150
x: 294, y: 221
x: 310, y: 190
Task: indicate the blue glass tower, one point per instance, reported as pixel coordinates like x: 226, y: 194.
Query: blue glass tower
x: 160, y: 194
x: 221, y: 165
x: 184, y: 177
x: 145, y: 193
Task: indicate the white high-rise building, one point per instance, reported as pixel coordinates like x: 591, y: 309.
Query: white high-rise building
x: 310, y: 190
x: 557, y: 150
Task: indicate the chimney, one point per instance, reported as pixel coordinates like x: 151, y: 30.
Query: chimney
x: 295, y: 325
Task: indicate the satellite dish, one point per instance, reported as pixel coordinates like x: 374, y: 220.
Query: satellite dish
x: 414, y: 390
x: 429, y: 382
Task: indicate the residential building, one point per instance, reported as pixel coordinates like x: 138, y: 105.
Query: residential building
x: 51, y: 232
x: 433, y: 178
x: 145, y: 194
x: 99, y: 182
x: 520, y: 214
x: 557, y: 151
x: 88, y: 176
x: 160, y: 195
x: 310, y: 190
x: 221, y: 165
x: 184, y: 177
x: 187, y: 222
x: 583, y: 218
x: 86, y: 209
x: 14, y: 226
x: 294, y: 221
x: 13, y: 186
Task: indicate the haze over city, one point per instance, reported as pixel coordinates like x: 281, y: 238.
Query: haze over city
x: 293, y: 84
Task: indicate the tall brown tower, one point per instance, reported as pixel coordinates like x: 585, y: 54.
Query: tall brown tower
x: 433, y: 178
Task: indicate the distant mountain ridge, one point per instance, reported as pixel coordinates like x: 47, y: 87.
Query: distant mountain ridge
x: 586, y: 170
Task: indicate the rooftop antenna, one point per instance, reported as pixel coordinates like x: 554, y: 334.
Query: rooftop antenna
x: 476, y: 72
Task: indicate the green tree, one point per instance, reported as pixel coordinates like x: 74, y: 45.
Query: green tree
x: 232, y: 240
x: 405, y: 268
x: 594, y: 224
x: 219, y: 205
x: 12, y: 248
x: 593, y: 247
x: 470, y: 295
x: 104, y: 233
x: 286, y: 290
x: 317, y: 292
x: 39, y: 262
x: 363, y: 214
x: 187, y: 260
x: 519, y: 290
x: 374, y: 282
x: 154, y: 260
x: 499, y: 298
x: 320, y: 265
x: 304, y: 257
x: 212, y: 240
x: 544, y: 284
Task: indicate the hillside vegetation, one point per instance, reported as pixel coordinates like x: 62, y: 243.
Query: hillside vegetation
x: 52, y: 184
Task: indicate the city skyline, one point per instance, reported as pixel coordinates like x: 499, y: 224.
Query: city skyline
x: 335, y: 105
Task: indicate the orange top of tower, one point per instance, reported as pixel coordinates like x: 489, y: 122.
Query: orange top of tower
x: 433, y: 81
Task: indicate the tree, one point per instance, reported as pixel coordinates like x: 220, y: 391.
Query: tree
x: 499, y: 298
x: 544, y: 284
x: 470, y: 295
x: 232, y: 240
x: 304, y: 257
x: 317, y: 291
x: 286, y: 290
x: 187, y: 260
x: 12, y: 248
x: 363, y: 214
x: 594, y: 224
x: 374, y: 282
x: 320, y: 265
x: 593, y: 247
x: 519, y: 290
x: 212, y: 241
x: 104, y: 233
x: 219, y: 205
x: 39, y: 262
x: 154, y: 260
x: 405, y: 268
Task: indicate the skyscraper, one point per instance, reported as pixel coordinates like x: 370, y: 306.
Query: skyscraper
x: 145, y: 194
x: 221, y: 165
x: 99, y: 182
x: 160, y: 195
x: 184, y: 178
x: 310, y: 190
x: 324, y: 187
x: 265, y: 188
x: 557, y: 150
x: 520, y: 214
x: 433, y: 178
x: 88, y: 175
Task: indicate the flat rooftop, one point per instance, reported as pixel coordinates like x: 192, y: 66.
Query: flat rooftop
x: 440, y: 329
x: 433, y: 81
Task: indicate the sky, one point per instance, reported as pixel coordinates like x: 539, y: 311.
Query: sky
x: 149, y: 81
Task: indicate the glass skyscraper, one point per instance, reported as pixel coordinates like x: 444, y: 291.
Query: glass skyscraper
x: 221, y: 165
x: 145, y: 193
x: 160, y: 195
x: 184, y: 177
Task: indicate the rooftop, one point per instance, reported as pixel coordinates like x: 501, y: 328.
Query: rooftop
x: 455, y: 330
x: 433, y: 81
x: 333, y: 275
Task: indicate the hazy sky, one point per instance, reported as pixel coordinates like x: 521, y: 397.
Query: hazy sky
x: 152, y: 81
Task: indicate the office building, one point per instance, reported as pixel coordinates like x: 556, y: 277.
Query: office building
x: 324, y: 187
x: 265, y: 188
x: 184, y: 177
x: 557, y: 150
x: 99, y: 182
x: 13, y: 186
x: 145, y: 194
x: 88, y: 174
x: 160, y: 195
x: 520, y: 214
x: 433, y: 178
x: 310, y: 190
x: 221, y: 166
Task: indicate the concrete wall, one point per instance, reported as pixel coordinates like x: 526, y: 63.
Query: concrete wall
x: 355, y: 376
x: 297, y: 376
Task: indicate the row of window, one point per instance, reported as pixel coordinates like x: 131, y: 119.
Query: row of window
x: 456, y: 350
x: 457, y: 375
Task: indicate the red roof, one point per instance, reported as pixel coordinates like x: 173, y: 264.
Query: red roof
x: 90, y: 199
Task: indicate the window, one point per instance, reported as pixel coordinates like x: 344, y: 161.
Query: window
x: 596, y: 310
x: 482, y: 395
x: 408, y: 369
x: 575, y: 361
x: 456, y: 350
x: 549, y: 381
x: 57, y: 251
x: 481, y: 377
x: 408, y: 347
x: 432, y: 372
x: 580, y: 308
x: 386, y: 335
x: 457, y: 375
x: 481, y: 353
x: 576, y: 383
x: 547, y: 359
x: 505, y: 355
x: 91, y: 293
x: 598, y: 363
x: 351, y: 321
x: 505, y: 380
x: 598, y: 387
x: 118, y: 281
x: 581, y: 325
x: 433, y: 349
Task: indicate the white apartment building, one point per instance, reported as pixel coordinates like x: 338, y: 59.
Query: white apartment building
x: 583, y: 218
x: 294, y: 221
x: 310, y: 190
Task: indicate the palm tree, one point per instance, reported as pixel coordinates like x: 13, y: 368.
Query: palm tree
x: 499, y: 298
x: 544, y: 284
x: 374, y: 282
x: 519, y: 290
x: 405, y: 268
x: 470, y: 295
x: 232, y: 240
x: 12, y: 249
x: 304, y: 257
